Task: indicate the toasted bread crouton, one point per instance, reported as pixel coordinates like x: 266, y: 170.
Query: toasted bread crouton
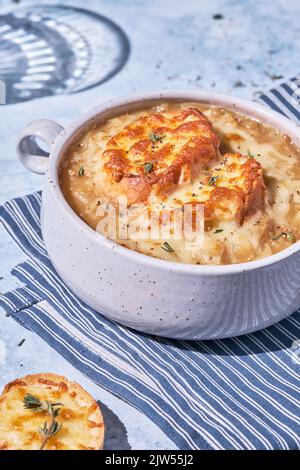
x: 238, y: 190
x: 157, y: 151
x: 80, y: 419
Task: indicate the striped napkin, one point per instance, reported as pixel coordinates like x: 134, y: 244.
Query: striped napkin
x: 239, y: 393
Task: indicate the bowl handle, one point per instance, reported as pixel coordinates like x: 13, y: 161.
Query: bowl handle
x: 29, y: 152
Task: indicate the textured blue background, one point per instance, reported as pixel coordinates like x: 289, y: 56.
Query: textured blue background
x: 174, y: 44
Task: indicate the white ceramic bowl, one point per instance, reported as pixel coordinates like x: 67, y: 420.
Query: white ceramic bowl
x: 145, y: 293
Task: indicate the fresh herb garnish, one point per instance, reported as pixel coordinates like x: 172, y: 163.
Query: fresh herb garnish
x: 250, y: 155
x: 213, y: 180
x: 48, y: 430
x: 33, y: 403
x: 167, y: 247
x: 156, y: 137
x: 81, y: 171
x: 148, y: 167
x: 219, y: 230
x: 288, y: 235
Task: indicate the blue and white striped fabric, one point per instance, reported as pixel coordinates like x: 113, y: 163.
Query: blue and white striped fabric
x: 285, y: 98
x: 239, y: 393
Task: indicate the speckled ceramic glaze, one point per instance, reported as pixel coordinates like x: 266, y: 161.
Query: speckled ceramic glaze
x: 144, y: 293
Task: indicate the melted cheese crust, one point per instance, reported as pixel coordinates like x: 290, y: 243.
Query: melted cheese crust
x: 80, y: 416
x: 245, y: 173
x: 177, y: 144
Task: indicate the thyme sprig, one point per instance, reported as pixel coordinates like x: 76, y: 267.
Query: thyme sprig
x: 156, y: 137
x: 33, y: 403
x: 50, y: 428
x: 81, y: 171
x: 287, y: 235
x: 148, y: 166
x: 167, y: 247
x: 213, y: 180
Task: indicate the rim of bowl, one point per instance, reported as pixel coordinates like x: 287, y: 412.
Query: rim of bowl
x: 112, y: 108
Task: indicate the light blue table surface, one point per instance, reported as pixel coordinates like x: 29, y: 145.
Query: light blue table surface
x: 174, y: 44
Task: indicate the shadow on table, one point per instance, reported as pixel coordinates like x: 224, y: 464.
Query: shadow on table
x: 116, y: 437
x: 283, y: 336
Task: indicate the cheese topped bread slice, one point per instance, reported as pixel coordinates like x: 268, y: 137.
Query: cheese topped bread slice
x: 80, y: 421
x: 231, y: 189
x: 173, y: 157
x: 156, y: 152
